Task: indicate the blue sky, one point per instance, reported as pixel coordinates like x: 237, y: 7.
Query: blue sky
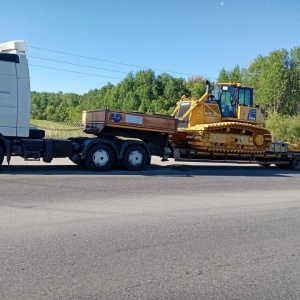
x: 109, y: 39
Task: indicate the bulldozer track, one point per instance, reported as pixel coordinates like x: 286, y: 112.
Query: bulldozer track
x: 244, y: 138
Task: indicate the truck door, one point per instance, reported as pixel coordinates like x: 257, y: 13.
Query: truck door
x: 8, y: 94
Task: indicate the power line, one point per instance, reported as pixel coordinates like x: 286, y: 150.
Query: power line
x: 83, y: 73
x: 63, y: 62
x: 99, y: 59
x: 109, y: 61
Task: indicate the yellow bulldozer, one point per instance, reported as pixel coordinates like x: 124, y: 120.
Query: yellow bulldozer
x: 224, y: 121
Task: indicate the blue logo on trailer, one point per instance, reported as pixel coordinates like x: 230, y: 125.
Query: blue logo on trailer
x: 116, y: 118
x: 252, y: 114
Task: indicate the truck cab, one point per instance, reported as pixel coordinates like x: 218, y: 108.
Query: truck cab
x: 14, y: 90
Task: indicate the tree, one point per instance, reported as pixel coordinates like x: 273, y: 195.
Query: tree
x: 284, y: 128
x: 170, y: 90
x: 235, y: 75
x: 292, y: 106
x: 223, y: 76
x: 196, y: 86
x: 269, y: 77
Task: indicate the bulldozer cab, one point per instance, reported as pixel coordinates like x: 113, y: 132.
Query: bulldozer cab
x: 230, y: 96
x: 229, y: 102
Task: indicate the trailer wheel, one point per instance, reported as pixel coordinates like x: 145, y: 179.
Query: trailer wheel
x: 1, y: 155
x: 295, y: 163
x: 135, y: 158
x: 100, y: 158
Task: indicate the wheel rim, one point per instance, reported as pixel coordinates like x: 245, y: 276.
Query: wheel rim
x: 258, y: 140
x: 100, y: 158
x: 135, y: 158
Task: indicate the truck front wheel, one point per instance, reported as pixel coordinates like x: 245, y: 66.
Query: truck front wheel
x: 100, y: 158
x: 135, y: 158
x: 1, y: 155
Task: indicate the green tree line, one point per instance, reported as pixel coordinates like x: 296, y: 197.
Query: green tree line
x: 142, y: 92
x: 275, y: 79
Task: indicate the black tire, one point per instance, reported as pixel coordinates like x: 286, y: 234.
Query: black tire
x: 1, y: 155
x: 295, y: 163
x: 100, y: 158
x: 134, y: 158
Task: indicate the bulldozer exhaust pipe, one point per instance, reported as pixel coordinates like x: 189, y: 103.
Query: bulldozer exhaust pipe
x: 207, y: 86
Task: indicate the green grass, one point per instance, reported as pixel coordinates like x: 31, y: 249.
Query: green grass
x: 58, y: 130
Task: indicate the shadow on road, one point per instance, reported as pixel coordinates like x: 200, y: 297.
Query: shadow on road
x: 176, y: 170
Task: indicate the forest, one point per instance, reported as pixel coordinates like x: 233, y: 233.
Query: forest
x: 275, y: 79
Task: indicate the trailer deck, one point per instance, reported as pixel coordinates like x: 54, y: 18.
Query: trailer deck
x: 105, y: 121
x: 279, y: 158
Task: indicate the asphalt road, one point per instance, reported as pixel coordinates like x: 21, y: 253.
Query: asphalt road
x: 173, y: 231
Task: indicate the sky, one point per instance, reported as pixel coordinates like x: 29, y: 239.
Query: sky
x: 81, y: 45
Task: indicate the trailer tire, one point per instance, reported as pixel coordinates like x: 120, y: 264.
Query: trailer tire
x: 100, y: 158
x: 295, y: 163
x: 134, y: 158
x: 1, y: 155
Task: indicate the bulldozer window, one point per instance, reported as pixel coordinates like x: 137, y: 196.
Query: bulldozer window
x: 242, y: 96
x: 245, y: 97
x: 217, y: 92
x: 248, y: 97
x: 226, y: 101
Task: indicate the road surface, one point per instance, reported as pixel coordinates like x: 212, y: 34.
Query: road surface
x: 173, y: 231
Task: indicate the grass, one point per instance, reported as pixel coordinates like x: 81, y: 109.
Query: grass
x: 58, y: 130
